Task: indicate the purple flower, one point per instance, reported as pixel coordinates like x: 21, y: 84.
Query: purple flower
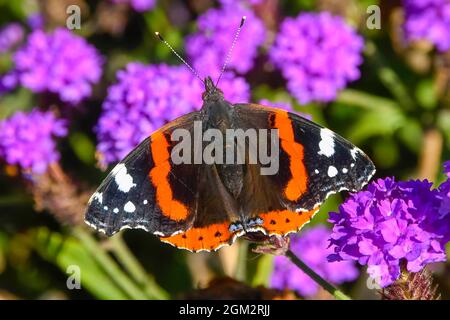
x: 208, y: 47
x: 390, y: 223
x: 145, y: 98
x: 318, y: 54
x: 444, y: 209
x: 138, y: 5
x: 27, y: 140
x: 60, y: 62
x: 10, y: 36
x: 430, y: 20
x: 311, y: 247
x: 36, y: 21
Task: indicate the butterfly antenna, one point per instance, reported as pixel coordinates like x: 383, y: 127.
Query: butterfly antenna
x: 228, y: 57
x: 178, y: 56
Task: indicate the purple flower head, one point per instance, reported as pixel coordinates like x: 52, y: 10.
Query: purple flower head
x: 312, y: 247
x: 60, y: 62
x: 430, y: 20
x: 36, y: 21
x: 388, y: 224
x: 27, y: 140
x: 138, y: 5
x: 444, y: 188
x: 10, y: 36
x: 208, y: 47
x: 318, y: 54
x: 146, y: 97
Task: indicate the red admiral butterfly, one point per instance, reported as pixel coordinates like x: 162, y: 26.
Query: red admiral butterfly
x: 203, y: 206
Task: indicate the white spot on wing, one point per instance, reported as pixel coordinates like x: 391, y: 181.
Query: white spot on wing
x: 123, y: 180
x: 316, y: 171
x: 332, y: 171
x: 145, y: 201
x: 97, y: 196
x: 116, y: 210
x: 129, y: 207
x: 344, y: 170
x: 326, y: 144
x: 354, y: 152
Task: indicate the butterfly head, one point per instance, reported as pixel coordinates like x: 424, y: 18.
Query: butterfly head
x: 212, y: 93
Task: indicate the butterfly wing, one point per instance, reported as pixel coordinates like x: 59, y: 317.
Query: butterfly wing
x: 314, y: 163
x: 146, y: 190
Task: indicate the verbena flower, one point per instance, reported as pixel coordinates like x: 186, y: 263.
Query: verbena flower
x: 60, y: 62
x: 388, y: 224
x: 312, y: 247
x: 138, y: 5
x: 10, y: 36
x: 208, y: 47
x: 36, y: 21
x: 429, y: 20
x: 27, y: 140
x: 444, y: 188
x: 146, y: 97
x: 318, y: 54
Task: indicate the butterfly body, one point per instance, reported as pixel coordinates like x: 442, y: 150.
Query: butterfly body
x: 245, y: 169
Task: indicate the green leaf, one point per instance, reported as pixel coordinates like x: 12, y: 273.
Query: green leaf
x: 386, y: 153
x: 443, y: 122
x: 384, y: 121
x: 410, y: 134
x: 19, y: 100
x: 65, y: 251
x: 83, y: 147
x: 426, y: 94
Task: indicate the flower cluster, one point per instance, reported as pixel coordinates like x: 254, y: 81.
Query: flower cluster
x: 430, y: 20
x: 60, y: 62
x: 312, y: 248
x: 138, y: 5
x: 318, y: 54
x: 10, y: 35
x: 207, y: 48
x: 145, y: 98
x: 388, y: 224
x: 26, y: 140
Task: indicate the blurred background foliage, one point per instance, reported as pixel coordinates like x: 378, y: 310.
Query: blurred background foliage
x: 398, y: 112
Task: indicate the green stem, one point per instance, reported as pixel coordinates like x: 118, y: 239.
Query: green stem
x: 389, y: 78
x: 135, y: 269
x: 109, y: 265
x: 241, y: 268
x: 313, y: 275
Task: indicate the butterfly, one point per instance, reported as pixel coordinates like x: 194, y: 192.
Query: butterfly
x: 206, y: 204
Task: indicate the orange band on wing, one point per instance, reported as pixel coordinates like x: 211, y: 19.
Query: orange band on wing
x: 205, y: 238
x: 285, y: 221
x: 297, y: 185
x: 171, y: 208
